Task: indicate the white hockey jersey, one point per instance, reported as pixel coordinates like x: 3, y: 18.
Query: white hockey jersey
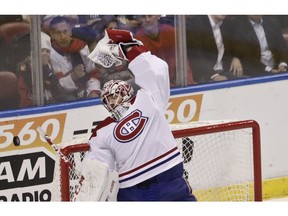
x: 141, y: 144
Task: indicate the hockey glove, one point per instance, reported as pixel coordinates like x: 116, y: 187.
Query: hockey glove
x: 111, y: 49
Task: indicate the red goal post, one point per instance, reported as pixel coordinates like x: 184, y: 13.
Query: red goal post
x: 222, y: 160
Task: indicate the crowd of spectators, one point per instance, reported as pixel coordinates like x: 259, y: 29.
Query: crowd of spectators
x: 219, y: 47
x: 228, y: 47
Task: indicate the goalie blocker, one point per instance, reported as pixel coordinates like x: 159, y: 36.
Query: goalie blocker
x: 150, y: 167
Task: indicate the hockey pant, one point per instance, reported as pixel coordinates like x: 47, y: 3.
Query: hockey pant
x: 167, y: 186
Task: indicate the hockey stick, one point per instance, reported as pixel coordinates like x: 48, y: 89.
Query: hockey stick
x: 66, y: 160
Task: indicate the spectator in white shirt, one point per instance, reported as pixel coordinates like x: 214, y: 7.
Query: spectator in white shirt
x: 69, y: 58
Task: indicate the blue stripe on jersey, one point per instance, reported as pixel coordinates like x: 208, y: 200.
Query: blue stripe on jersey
x: 156, y: 165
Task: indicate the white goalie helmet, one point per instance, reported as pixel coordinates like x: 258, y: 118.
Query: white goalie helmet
x: 122, y: 92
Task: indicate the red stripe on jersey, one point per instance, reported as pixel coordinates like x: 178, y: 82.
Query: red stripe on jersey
x: 147, y: 163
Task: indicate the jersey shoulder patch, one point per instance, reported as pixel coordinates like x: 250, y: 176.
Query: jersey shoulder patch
x: 104, y: 123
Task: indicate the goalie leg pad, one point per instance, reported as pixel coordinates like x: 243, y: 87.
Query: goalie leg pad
x: 97, y: 184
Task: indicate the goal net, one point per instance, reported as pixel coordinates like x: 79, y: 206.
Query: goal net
x: 222, y: 160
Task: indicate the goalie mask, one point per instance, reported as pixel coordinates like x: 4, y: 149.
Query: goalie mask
x: 116, y: 96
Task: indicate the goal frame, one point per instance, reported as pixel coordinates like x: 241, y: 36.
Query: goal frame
x: 234, y: 126
x: 199, y: 130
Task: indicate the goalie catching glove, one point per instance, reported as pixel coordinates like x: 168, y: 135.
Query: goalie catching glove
x: 111, y: 50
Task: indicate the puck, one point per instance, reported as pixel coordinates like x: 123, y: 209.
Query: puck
x: 16, y: 140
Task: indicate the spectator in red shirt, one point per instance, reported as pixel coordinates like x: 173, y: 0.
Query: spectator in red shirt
x: 160, y: 39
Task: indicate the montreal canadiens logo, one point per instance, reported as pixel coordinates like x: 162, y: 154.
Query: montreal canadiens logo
x: 130, y: 127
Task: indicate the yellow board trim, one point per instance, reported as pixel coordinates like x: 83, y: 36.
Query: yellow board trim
x: 276, y: 187
x: 271, y: 188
